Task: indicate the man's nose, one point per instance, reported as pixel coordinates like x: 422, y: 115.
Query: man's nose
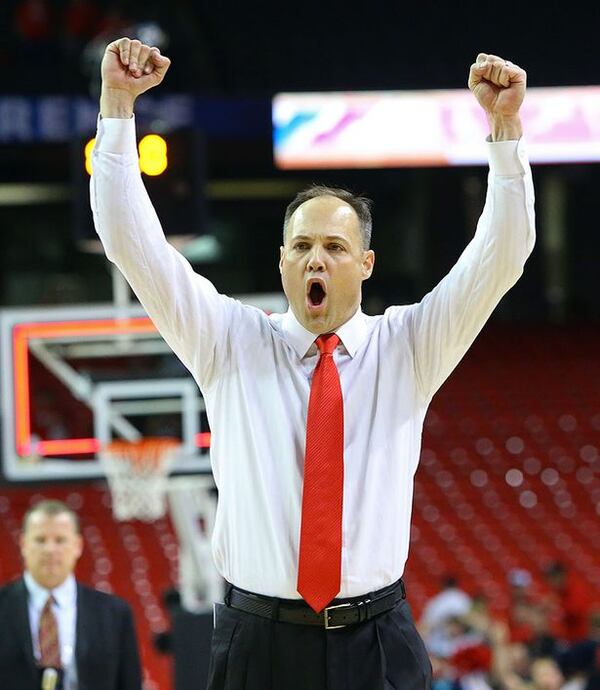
x: 316, y: 260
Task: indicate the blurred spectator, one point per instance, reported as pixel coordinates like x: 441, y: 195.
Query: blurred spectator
x: 472, y: 663
x: 513, y: 667
x: 581, y: 661
x: 528, y: 616
x: 80, y: 22
x: 80, y: 19
x: 449, y: 603
x: 546, y: 675
x: 462, y: 657
x: 542, y: 641
x: 33, y: 21
x: 520, y: 606
x: 569, y: 603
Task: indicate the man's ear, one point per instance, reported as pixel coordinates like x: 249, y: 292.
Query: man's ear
x: 281, y: 253
x: 79, y: 546
x: 367, y: 264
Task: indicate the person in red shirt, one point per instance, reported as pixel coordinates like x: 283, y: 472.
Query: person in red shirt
x: 571, y: 603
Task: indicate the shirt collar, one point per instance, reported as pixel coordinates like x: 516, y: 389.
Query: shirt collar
x: 352, y: 333
x: 64, y: 595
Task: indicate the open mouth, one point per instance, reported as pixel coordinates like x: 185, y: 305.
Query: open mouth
x: 316, y: 293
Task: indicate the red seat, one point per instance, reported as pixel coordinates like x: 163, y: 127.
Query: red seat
x: 512, y: 460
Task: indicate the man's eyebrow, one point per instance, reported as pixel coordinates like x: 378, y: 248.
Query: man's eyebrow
x: 337, y: 238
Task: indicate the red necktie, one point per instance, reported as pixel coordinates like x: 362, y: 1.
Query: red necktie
x: 320, y: 561
x: 48, y: 636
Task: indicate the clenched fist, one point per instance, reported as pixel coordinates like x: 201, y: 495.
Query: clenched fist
x: 499, y: 87
x: 129, y: 68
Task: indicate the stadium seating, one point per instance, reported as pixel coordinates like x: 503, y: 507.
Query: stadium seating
x: 510, y: 468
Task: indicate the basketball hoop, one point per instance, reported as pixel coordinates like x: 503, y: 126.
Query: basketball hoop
x: 137, y: 473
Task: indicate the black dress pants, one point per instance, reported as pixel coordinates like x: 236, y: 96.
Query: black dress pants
x: 254, y: 653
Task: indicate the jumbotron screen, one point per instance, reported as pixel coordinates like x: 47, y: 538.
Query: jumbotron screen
x: 392, y: 129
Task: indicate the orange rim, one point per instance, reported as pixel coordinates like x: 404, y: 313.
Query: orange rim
x: 146, y: 452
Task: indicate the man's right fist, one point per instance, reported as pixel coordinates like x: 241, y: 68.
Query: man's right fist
x: 132, y: 67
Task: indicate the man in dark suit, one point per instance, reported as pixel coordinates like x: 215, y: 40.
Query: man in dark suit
x: 55, y: 633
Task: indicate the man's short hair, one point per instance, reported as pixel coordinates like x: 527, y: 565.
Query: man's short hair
x: 360, y: 204
x: 52, y: 507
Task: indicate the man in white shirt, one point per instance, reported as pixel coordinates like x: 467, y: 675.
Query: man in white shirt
x: 316, y: 414
x: 57, y: 633
x: 450, y: 602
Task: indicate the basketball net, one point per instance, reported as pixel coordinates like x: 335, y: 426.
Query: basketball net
x: 137, y: 474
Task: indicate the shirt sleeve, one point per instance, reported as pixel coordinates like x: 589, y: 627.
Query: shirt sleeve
x: 446, y: 322
x: 185, y: 307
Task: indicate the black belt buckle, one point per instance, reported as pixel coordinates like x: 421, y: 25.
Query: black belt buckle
x: 326, y: 615
x: 329, y: 626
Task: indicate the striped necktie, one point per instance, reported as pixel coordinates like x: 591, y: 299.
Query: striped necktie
x: 48, y: 637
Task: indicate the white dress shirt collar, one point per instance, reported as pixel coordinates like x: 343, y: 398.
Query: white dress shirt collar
x: 64, y: 595
x: 351, y: 334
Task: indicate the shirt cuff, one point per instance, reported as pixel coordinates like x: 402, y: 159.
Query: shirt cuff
x: 508, y: 157
x: 116, y: 135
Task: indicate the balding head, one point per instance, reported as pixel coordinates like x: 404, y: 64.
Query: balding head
x: 360, y: 205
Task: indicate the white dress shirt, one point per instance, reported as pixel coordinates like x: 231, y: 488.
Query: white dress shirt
x: 65, y: 612
x: 255, y: 371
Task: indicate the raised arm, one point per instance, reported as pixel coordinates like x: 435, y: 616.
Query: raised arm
x: 445, y: 323
x: 186, y: 308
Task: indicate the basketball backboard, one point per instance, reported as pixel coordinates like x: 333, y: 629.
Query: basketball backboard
x: 75, y: 377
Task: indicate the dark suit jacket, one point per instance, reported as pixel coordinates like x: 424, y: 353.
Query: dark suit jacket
x: 106, y: 650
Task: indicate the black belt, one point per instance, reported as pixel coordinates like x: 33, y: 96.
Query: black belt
x: 338, y: 614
